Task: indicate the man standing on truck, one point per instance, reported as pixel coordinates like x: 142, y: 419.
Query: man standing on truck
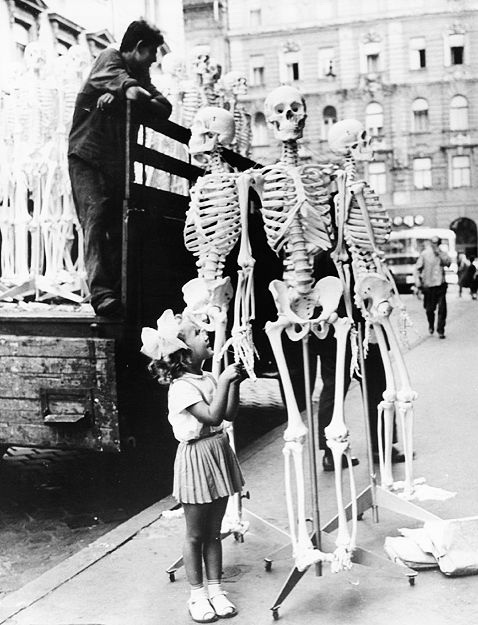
x: 96, y: 153
x: 430, y: 269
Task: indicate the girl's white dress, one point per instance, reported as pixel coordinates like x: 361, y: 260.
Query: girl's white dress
x: 206, y: 467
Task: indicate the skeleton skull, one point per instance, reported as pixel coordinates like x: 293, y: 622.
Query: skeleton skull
x: 174, y: 65
x: 208, y: 69
x: 235, y: 83
x: 212, y: 126
x: 286, y: 111
x: 349, y: 137
x: 34, y: 57
x: 79, y: 60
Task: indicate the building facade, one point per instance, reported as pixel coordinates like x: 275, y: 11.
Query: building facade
x: 407, y: 70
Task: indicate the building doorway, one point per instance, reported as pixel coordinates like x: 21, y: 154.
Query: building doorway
x: 466, y: 235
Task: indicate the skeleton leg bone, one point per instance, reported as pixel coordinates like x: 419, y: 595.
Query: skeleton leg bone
x: 304, y: 552
x: 338, y: 441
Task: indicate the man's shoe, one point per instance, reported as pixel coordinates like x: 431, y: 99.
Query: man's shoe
x: 109, y: 307
x: 328, y: 462
x: 397, y: 456
x: 431, y: 330
x: 441, y: 335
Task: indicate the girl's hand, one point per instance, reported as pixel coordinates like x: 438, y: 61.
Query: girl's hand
x: 234, y: 373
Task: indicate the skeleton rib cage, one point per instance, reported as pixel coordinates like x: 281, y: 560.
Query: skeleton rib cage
x: 213, y: 223
x: 296, y: 216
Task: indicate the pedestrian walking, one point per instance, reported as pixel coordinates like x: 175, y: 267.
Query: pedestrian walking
x: 470, y: 278
x: 430, y: 272
x: 206, y: 470
x: 96, y: 153
x: 462, y: 269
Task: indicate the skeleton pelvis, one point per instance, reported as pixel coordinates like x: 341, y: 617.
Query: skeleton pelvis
x: 375, y: 290
x: 298, y: 309
x: 199, y: 294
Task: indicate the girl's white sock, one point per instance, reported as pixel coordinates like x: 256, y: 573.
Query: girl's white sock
x: 214, y: 588
x: 198, y: 592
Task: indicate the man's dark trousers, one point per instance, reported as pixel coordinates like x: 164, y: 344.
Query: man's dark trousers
x: 435, y: 297
x: 376, y: 383
x: 98, y: 198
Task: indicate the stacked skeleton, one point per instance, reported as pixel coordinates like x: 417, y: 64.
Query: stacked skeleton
x: 234, y: 86
x: 38, y: 221
x: 364, y: 226
x: 216, y: 220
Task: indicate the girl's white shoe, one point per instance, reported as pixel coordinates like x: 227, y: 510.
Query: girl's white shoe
x: 223, y: 607
x: 201, y: 610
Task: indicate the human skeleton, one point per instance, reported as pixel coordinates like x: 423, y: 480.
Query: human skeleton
x: 364, y: 226
x: 215, y: 221
x: 297, y: 222
x: 38, y: 237
x: 234, y: 86
x: 203, y: 89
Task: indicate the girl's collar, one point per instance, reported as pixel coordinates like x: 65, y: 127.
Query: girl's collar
x: 194, y: 375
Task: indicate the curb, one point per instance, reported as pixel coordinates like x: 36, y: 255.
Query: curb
x: 46, y: 583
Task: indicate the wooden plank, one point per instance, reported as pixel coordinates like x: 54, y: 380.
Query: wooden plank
x: 172, y: 165
x: 14, y: 386
x: 164, y: 203
x: 61, y: 347
x: 57, y: 437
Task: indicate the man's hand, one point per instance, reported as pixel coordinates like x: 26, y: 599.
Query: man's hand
x: 105, y: 101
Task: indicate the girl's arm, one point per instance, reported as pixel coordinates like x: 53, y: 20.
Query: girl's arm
x: 232, y: 402
x: 218, y: 409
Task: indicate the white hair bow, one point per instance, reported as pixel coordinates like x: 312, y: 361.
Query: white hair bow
x: 164, y: 341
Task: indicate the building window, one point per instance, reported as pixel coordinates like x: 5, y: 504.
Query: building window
x: 460, y: 171
x: 21, y: 35
x: 455, y: 51
x: 370, y: 57
x: 374, y: 119
x: 290, y: 66
x: 329, y: 118
x: 459, y: 113
x: 255, y: 18
x: 327, y: 62
x: 420, y: 115
x: 418, y: 57
x: 259, y: 130
x: 372, y: 63
x: 422, y: 173
x: 377, y: 175
x: 291, y: 69
x: 257, y: 72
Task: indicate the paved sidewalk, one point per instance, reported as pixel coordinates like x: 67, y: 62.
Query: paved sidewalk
x: 121, y: 578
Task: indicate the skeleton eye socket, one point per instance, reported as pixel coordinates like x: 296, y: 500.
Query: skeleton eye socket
x: 280, y: 108
x: 354, y: 146
x: 363, y: 135
x: 295, y: 106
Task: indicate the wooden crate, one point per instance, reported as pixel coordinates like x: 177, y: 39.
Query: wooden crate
x: 58, y: 392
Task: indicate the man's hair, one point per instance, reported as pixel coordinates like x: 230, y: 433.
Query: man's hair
x: 141, y: 30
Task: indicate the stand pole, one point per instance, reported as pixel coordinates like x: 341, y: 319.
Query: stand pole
x: 366, y: 414
x: 312, y: 448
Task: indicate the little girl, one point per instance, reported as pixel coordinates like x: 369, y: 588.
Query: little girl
x: 206, y: 470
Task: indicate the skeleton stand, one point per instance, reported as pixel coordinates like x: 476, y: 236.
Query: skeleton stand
x: 372, y: 497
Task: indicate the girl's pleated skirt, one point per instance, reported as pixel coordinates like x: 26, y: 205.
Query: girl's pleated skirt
x: 206, y: 469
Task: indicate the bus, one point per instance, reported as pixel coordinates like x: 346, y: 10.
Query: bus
x: 404, y: 246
